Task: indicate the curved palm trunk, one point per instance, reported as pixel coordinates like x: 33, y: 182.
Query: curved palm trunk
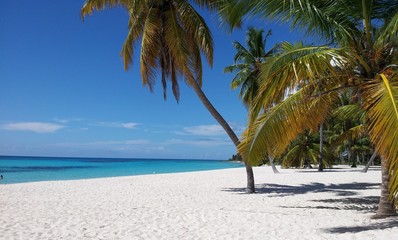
x: 386, y: 207
x: 370, y: 162
x: 271, y: 161
x: 320, y: 167
x: 250, y: 188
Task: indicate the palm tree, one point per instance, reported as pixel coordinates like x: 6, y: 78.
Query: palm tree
x: 173, y: 37
x: 351, y: 126
x: 362, y: 56
x: 246, y: 66
x: 247, y: 63
x: 304, y: 151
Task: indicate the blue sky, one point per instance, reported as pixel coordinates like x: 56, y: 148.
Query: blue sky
x: 64, y: 91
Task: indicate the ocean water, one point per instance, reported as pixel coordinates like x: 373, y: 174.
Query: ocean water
x: 33, y: 169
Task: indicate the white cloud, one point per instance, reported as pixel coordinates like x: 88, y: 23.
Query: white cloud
x: 210, y: 130
x: 204, y: 130
x: 38, y: 127
x: 127, y: 125
x: 105, y: 143
x: 209, y: 142
x: 67, y: 120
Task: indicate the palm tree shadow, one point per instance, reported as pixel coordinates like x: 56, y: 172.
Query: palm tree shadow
x: 349, y: 202
x: 391, y: 223
x: 365, y: 203
x: 278, y: 190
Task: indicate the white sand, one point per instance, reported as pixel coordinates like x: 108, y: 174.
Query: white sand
x: 296, y: 204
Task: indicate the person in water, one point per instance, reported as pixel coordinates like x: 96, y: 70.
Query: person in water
x: 1, y: 177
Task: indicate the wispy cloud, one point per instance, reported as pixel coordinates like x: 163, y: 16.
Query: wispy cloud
x: 204, y: 142
x: 67, y: 120
x: 209, y: 130
x: 105, y: 143
x: 127, y: 125
x: 203, y: 130
x: 38, y: 127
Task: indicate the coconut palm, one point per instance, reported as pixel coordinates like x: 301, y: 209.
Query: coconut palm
x: 247, y: 62
x: 362, y: 56
x: 352, y: 129
x: 304, y: 151
x: 173, y: 37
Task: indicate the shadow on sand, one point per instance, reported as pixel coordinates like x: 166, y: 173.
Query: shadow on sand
x: 389, y: 223
x: 350, y: 201
x: 365, y: 203
x: 277, y: 190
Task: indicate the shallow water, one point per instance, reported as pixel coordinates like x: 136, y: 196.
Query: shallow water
x: 33, y: 169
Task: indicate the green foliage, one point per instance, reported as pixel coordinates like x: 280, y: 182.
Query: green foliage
x: 361, y: 58
x: 247, y: 62
x: 173, y: 38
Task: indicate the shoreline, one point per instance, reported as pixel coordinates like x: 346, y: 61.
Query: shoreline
x: 25, y: 169
x: 296, y: 204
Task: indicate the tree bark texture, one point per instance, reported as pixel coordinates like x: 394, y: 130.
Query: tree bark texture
x: 250, y: 188
x: 271, y: 162
x: 386, y: 206
x: 370, y: 162
x: 320, y: 166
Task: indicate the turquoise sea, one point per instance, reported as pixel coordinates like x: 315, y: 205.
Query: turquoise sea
x: 33, y: 169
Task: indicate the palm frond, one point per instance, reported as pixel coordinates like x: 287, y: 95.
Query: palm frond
x: 150, y: 47
x: 381, y: 101
x: 242, y: 54
x: 236, y: 67
x: 389, y: 32
x: 294, y: 65
x: 136, y: 28
x: 195, y: 26
x: 352, y: 134
x: 97, y: 5
x: 325, y: 18
x: 351, y: 111
x: 292, y: 157
x: 272, y: 131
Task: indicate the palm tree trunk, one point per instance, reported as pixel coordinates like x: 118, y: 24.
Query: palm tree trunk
x: 370, y: 162
x: 386, y: 207
x: 250, y: 188
x: 320, y: 167
x: 271, y: 162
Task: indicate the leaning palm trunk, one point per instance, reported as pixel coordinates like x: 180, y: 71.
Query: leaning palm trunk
x: 370, y: 162
x: 271, y: 162
x: 250, y: 188
x: 173, y: 39
x: 386, y: 205
x: 320, y: 167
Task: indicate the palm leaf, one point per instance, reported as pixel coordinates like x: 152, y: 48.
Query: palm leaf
x: 325, y: 18
x: 236, y: 67
x: 389, y: 32
x: 136, y: 28
x: 196, y: 27
x: 381, y: 101
x: 150, y: 47
x: 351, y: 111
x: 91, y: 5
x: 242, y: 54
x: 352, y: 134
x: 293, y: 65
x: 292, y: 157
x: 274, y: 130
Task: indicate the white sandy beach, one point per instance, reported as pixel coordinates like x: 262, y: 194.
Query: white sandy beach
x: 296, y: 204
